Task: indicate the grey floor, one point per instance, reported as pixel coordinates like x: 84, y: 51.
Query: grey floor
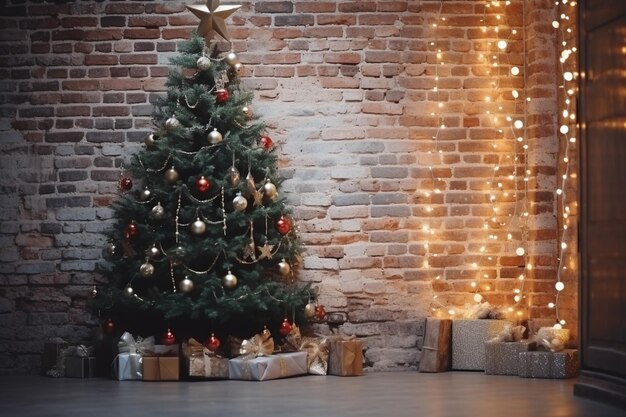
x: 391, y: 394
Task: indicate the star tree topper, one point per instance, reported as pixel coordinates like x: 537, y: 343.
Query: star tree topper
x: 212, y: 16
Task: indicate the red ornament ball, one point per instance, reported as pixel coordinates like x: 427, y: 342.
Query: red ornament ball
x: 221, y: 96
x: 285, y: 327
x: 267, y: 142
x: 126, y: 184
x: 131, y: 231
x: 213, y: 343
x: 168, y: 338
x: 283, y: 225
x: 203, y: 185
x: 320, y: 312
x: 108, y: 326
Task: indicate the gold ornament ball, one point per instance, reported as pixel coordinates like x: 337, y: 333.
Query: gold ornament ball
x: 215, y: 137
x: 145, y: 194
x: 229, y: 281
x: 203, y: 63
x: 247, y: 111
x: 128, y: 291
x: 153, y: 252
x: 186, y: 285
x: 270, y: 189
x: 158, y: 212
x: 240, y: 203
x: 284, y: 268
x: 238, y: 66
x: 171, y: 175
x: 232, y: 59
x: 146, y: 270
x: 234, y: 177
x: 150, y: 140
x: 172, y: 124
x: 198, y: 227
x: 309, y: 310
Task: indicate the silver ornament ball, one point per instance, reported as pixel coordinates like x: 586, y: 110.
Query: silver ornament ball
x: 186, y: 285
x: 229, y: 281
x: 240, y: 203
x: 158, y: 212
x: 128, y: 291
x: 150, y: 140
x: 234, y: 177
x: 203, y: 63
x: 146, y: 270
x: 309, y: 310
x: 215, y: 137
x: 171, y: 175
x: 284, y: 268
x: 231, y: 59
x: 153, y: 252
x: 198, y: 227
x: 270, y: 189
x: 172, y: 124
x: 145, y: 194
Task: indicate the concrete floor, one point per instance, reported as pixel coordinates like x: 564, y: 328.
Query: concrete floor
x: 392, y: 394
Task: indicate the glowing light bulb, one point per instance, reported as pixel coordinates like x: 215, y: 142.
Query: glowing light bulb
x: 558, y: 326
x: 515, y: 94
x: 473, y: 284
x: 564, y: 129
x: 518, y: 124
x: 559, y: 286
x: 559, y: 191
x: 502, y: 44
x: 550, y: 305
x: 515, y: 70
x: 451, y: 312
x: 568, y: 76
x: 520, y: 251
x: 517, y: 298
x: 563, y: 245
x: 478, y: 298
x: 555, y: 24
x: 562, y: 322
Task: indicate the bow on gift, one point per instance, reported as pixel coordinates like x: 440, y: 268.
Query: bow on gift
x: 261, y: 344
x: 128, y: 344
x: 315, y: 347
x: 510, y: 334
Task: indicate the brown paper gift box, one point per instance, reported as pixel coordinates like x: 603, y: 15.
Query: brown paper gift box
x: 161, y: 368
x: 437, y: 346
x: 346, y: 358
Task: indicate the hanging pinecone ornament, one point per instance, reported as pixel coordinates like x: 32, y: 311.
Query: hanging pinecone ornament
x: 151, y: 140
x: 203, y: 63
x: 172, y: 124
x: 125, y: 184
x: 171, y: 175
x: 198, y: 227
x: 203, y: 184
x: 240, y: 203
x: 215, y: 137
x: 229, y: 281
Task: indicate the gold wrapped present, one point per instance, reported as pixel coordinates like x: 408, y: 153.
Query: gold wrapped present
x: 317, y: 349
x: 346, y: 357
x: 200, y: 362
x: 264, y: 368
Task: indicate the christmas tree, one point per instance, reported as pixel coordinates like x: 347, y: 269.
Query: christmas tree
x: 203, y: 241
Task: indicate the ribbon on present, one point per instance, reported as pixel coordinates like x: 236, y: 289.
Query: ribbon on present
x: 131, y: 347
x: 552, y: 339
x: 260, y: 344
x: 510, y: 334
x: 316, y: 348
x: 82, y: 351
x: 482, y: 311
x: 194, y: 349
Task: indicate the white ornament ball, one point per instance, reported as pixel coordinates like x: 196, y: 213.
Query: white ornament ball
x: 172, y: 124
x: 232, y: 59
x: 146, y: 270
x: 145, y: 194
x: 203, y: 63
x: 240, y: 203
x: 198, y: 227
x: 215, y: 137
x: 128, y: 291
x: 229, y: 281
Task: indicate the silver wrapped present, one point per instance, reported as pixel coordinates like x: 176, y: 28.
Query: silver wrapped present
x: 556, y: 365
x: 468, y: 341
x: 264, y: 368
x: 502, y: 358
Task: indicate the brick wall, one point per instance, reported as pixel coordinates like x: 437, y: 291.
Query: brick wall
x: 347, y: 89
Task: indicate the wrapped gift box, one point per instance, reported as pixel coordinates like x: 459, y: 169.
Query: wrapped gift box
x: 557, y: 365
x: 502, y: 358
x: 200, y: 362
x: 80, y: 367
x: 128, y: 366
x: 346, y: 358
x: 436, y: 348
x: 468, y: 341
x: 52, y: 351
x: 264, y: 368
x: 161, y: 368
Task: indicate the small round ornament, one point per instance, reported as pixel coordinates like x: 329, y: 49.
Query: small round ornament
x: 168, y: 338
x: 320, y: 312
x: 215, y: 137
x: 198, y: 227
x: 270, y: 190
x: 247, y: 111
x: 151, y: 140
x: 285, y: 328
x: 153, y: 252
x: 108, y: 326
x: 203, y: 184
x: 283, y: 225
x: 125, y: 184
x: 238, y: 66
x: 284, y: 268
x: 267, y: 142
x: 221, y: 96
x: 176, y: 255
x: 203, y: 63
x: 146, y: 269
x: 158, y: 212
x: 231, y: 59
x: 240, y: 203
x: 145, y: 194
x: 186, y: 285
x: 112, y: 250
x: 229, y: 281
x: 212, y: 343
x: 172, y: 124
x: 131, y: 230
x: 234, y: 176
x: 128, y: 291
x: 171, y: 175
x: 309, y: 311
